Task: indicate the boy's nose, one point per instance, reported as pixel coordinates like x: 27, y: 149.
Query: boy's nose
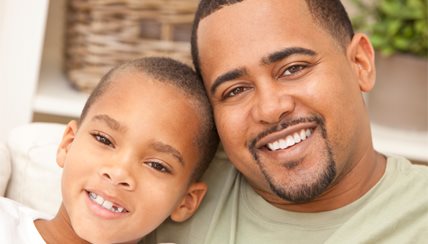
x: 118, y: 176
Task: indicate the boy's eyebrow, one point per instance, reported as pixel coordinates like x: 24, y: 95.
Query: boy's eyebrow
x: 110, y: 122
x: 165, y: 148
x: 158, y: 146
x: 227, y: 76
x: 285, y: 53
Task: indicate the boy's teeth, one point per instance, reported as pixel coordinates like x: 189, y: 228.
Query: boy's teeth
x: 290, y: 140
x: 105, y: 204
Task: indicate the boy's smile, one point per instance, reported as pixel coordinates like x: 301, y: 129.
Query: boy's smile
x: 110, y: 205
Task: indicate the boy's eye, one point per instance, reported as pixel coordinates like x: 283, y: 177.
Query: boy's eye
x: 158, y: 166
x: 102, y: 139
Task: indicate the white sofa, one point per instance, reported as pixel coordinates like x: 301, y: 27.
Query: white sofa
x: 28, y: 170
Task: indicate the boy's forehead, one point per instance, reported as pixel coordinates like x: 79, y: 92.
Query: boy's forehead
x: 128, y: 79
x: 135, y: 98
x: 130, y: 86
x: 129, y: 82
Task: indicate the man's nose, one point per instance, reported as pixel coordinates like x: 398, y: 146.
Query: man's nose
x: 272, y: 103
x: 118, y: 174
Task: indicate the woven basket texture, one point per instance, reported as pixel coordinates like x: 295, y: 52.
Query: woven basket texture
x: 104, y: 33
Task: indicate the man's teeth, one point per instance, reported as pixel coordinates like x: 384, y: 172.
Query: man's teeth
x: 105, y: 204
x: 290, y: 140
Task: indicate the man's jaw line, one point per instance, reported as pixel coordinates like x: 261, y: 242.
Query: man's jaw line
x: 281, y: 139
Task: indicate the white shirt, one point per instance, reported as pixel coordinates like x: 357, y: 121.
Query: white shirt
x: 17, y: 223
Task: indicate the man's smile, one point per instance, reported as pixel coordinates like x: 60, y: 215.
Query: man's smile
x: 285, y: 134
x: 289, y: 140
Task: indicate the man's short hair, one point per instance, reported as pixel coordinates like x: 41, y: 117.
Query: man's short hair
x: 330, y: 15
x: 181, y: 76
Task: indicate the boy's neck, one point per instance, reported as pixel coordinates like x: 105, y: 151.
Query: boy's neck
x: 59, y: 229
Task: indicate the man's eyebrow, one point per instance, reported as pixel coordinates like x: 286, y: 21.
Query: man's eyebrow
x: 285, y: 53
x: 165, y: 148
x: 230, y: 75
x: 269, y: 59
x: 109, y: 121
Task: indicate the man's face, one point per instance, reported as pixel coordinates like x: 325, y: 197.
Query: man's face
x: 286, y: 100
x: 128, y: 165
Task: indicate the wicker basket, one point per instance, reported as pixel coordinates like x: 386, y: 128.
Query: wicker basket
x: 104, y: 33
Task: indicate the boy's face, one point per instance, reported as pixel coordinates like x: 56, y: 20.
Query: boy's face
x: 127, y: 167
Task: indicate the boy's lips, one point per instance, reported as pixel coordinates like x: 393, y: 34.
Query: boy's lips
x: 107, y: 203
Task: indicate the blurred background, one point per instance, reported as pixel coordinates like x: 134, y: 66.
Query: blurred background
x: 52, y: 54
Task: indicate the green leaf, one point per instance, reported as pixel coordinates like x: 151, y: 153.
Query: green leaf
x: 395, y: 25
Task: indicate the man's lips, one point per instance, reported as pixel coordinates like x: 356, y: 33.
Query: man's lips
x: 290, y: 140
x: 287, y: 137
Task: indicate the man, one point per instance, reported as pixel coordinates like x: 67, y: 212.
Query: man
x: 285, y: 80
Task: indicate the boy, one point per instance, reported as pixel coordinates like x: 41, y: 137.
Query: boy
x: 145, y: 136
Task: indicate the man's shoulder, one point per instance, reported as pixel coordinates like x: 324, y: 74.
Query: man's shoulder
x: 405, y: 168
x: 220, y: 168
x: 223, y: 183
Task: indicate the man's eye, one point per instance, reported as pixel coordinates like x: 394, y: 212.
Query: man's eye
x: 235, y: 91
x: 158, y: 166
x: 102, y: 139
x: 293, y: 69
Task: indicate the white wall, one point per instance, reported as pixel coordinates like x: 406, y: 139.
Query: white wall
x: 22, y: 25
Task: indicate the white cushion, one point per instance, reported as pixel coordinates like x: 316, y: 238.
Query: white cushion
x: 5, y: 168
x: 36, y: 178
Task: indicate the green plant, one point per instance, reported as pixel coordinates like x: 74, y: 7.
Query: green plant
x: 394, y: 26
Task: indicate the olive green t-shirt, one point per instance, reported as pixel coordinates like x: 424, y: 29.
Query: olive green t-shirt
x: 395, y: 210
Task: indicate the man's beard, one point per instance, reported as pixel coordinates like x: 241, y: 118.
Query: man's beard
x: 305, y: 192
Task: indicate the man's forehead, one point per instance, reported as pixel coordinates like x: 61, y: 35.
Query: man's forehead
x: 250, y: 24
x: 247, y: 16
x: 256, y: 7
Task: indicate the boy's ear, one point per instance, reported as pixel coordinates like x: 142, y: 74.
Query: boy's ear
x: 362, y: 56
x: 67, y: 139
x: 190, y: 203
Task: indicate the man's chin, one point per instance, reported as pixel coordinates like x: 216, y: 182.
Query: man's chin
x: 302, y: 190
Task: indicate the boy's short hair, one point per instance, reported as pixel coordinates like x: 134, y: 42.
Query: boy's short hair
x: 181, y: 76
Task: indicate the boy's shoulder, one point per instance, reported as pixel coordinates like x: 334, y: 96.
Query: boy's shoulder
x: 17, y: 222
x: 14, y: 209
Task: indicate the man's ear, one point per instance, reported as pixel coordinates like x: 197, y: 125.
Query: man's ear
x: 361, y: 54
x: 67, y: 139
x: 190, y: 203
